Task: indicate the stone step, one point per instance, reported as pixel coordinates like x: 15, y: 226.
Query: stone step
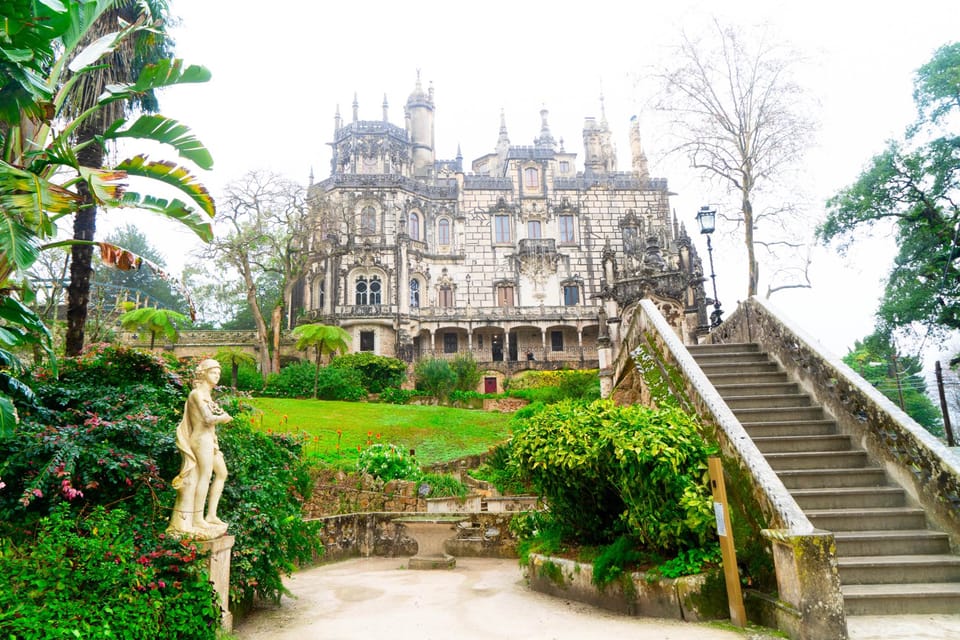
x: 823, y: 478
x: 876, y: 519
x: 757, y: 389
x: 849, y: 497
x: 719, y: 378
x: 724, y: 368
x: 796, y: 444
x: 732, y: 359
x: 901, y: 542
x: 817, y: 460
x: 909, y: 569
x: 730, y: 347
x: 778, y: 414
x: 889, y: 599
x: 779, y: 401
x: 823, y: 427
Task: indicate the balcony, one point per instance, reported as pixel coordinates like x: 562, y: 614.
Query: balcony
x: 537, y: 247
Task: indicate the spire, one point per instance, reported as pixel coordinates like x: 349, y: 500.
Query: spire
x: 545, y: 139
x: 639, y: 158
x: 356, y: 106
x: 603, y: 109
x: 337, y: 121
x: 385, y: 118
x: 311, y: 176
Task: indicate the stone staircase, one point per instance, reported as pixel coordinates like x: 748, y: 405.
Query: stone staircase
x: 890, y: 560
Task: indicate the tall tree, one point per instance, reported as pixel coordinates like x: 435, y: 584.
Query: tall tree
x: 914, y: 186
x: 264, y: 228
x: 739, y: 117
x: 121, y: 65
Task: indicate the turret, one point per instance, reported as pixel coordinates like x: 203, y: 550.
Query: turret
x: 419, y: 111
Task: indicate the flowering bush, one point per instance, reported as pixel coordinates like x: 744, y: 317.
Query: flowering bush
x: 387, y: 462
x: 137, y: 585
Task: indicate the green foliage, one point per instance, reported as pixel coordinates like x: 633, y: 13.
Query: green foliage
x: 303, y: 380
x: 387, y: 462
x: 442, y: 485
x: 376, y: 372
x: 145, y: 280
x: 101, y: 575
x: 913, y: 184
x: 20, y: 327
x: 537, y: 532
x: 322, y: 338
x: 616, y: 559
x: 435, y: 376
x: 687, y: 563
x: 467, y: 372
x: 607, y: 470
x: 158, y: 322
x: 896, y: 376
x: 233, y: 359
x: 262, y: 498
x: 499, y: 470
x: 553, y: 386
x: 392, y: 395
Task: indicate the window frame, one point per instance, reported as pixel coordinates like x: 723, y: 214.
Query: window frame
x: 567, y: 229
x: 531, y: 178
x: 443, y: 232
x: 534, y: 229
x: 368, y: 221
x: 501, y: 231
x: 413, y: 226
x: 556, y: 340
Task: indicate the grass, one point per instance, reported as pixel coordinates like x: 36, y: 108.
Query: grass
x: 337, y: 429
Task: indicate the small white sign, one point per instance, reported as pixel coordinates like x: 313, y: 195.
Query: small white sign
x: 721, y: 523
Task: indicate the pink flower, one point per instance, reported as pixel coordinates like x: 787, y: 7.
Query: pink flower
x: 37, y: 493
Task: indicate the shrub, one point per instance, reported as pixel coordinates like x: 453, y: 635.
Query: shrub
x: 500, y: 471
x: 435, y: 377
x: 392, y: 395
x: 376, y: 372
x: 248, y: 378
x: 607, y: 470
x: 466, y: 371
x: 296, y: 381
x: 102, y: 575
x: 387, y: 462
x: 441, y: 485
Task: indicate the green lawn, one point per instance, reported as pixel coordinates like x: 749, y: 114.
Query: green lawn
x: 437, y: 434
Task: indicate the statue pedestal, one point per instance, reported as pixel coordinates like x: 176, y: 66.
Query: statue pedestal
x: 218, y: 566
x: 430, y: 533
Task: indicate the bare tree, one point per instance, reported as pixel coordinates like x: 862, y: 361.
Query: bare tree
x: 263, y: 227
x: 740, y: 118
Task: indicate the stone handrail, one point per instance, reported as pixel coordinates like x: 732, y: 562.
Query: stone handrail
x: 775, y: 500
x: 926, y: 468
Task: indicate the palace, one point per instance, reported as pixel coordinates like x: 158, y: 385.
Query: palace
x: 524, y: 261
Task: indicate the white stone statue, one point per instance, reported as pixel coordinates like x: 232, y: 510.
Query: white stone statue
x: 201, y: 460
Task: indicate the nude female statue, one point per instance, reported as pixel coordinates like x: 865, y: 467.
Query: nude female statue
x: 201, y: 460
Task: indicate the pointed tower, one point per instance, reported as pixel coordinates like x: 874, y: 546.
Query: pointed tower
x: 636, y: 150
x: 419, y: 110
x: 545, y: 140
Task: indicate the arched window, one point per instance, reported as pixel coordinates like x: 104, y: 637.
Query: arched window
x: 443, y: 232
x: 361, y: 288
x: 374, y: 290
x: 414, y: 226
x: 368, y: 220
x: 445, y: 296
x: 414, y: 294
x: 321, y: 291
x: 531, y: 178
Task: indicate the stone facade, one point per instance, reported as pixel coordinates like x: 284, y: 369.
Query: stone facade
x: 524, y: 261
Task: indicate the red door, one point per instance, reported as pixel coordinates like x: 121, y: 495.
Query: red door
x: 490, y: 385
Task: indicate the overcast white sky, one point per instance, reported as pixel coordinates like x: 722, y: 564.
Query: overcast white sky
x: 281, y: 68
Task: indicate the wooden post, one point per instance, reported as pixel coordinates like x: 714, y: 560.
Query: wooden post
x: 944, y: 408
x: 738, y: 615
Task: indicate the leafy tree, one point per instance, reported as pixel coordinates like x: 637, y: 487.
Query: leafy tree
x: 322, y: 338
x: 264, y: 225
x: 49, y: 172
x: 898, y: 377
x: 467, y: 371
x: 740, y: 118
x: 164, y: 322
x: 146, y: 279
x: 913, y: 185
x: 377, y: 372
x: 233, y: 358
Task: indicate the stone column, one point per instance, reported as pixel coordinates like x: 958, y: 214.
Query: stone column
x: 218, y: 566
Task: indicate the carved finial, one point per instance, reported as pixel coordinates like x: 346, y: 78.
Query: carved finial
x: 385, y: 119
x: 356, y: 106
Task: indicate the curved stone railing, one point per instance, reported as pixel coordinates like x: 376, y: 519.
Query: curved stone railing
x: 922, y: 464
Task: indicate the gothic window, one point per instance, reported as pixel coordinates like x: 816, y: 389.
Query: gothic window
x: 414, y: 294
x: 414, y: 226
x: 501, y: 231
x: 571, y: 295
x: 366, y: 340
x: 566, y: 230
x: 533, y: 229
x: 449, y: 343
x: 531, y: 178
x: 556, y: 340
x: 361, y: 290
x: 505, y: 296
x: 443, y: 232
x: 446, y: 297
x: 321, y: 290
x: 564, y: 166
x: 374, y: 290
x: 368, y: 221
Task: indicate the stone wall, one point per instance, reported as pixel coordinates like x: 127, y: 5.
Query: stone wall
x: 363, y: 535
